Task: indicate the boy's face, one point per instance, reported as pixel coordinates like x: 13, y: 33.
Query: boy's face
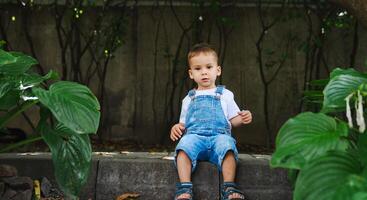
x: 204, y: 70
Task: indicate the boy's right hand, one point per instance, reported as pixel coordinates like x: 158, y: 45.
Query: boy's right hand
x: 177, y: 131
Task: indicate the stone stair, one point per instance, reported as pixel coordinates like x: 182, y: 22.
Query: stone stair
x: 153, y: 176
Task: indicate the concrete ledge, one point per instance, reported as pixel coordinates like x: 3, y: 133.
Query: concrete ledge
x: 259, y: 181
x: 152, y: 175
x: 38, y: 165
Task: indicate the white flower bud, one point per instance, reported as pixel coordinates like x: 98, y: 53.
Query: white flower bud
x: 25, y: 98
x: 359, y: 114
x: 348, y: 112
x: 22, y: 87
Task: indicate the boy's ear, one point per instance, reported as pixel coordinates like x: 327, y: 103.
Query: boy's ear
x: 190, y: 74
x: 219, y: 68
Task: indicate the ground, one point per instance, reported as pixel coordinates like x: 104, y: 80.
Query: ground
x: 127, y: 145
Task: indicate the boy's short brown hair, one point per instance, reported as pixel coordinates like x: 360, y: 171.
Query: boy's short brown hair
x: 201, y: 48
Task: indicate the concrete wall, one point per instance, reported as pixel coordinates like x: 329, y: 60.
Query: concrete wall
x: 139, y: 78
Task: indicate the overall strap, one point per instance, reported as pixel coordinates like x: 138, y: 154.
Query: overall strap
x: 219, y: 91
x: 192, y: 94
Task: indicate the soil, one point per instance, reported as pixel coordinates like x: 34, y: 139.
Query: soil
x: 127, y: 145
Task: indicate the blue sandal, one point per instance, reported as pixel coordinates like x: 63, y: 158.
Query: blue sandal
x: 184, y: 188
x: 231, y: 188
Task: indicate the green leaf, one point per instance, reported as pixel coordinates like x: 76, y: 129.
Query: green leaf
x: 350, y: 71
x: 35, y: 79
x: 313, y: 93
x: 71, y: 156
x: 319, y: 82
x: 5, y: 87
x: 15, y: 63
x: 360, y: 196
x: 2, y: 44
x: 9, y: 100
x: 6, y: 58
x: 355, y: 184
x: 292, y: 176
x: 362, y: 148
x: 306, y: 137
x: 333, y: 176
x: 313, y: 96
x: 72, y: 104
x: 338, y: 89
x: 10, y: 86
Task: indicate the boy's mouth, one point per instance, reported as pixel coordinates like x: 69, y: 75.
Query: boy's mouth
x: 205, y: 79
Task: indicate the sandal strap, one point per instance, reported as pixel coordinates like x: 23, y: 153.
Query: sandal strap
x: 229, y: 184
x: 184, y: 188
x: 231, y: 188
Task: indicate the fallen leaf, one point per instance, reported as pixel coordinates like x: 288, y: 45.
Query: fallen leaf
x: 127, y: 195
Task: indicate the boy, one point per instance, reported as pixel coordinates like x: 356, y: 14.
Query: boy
x: 207, y: 114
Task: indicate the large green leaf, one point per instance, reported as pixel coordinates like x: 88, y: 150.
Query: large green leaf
x: 333, y: 176
x: 72, y: 104
x: 305, y: 137
x: 339, y: 87
x: 15, y: 63
x: 71, y: 156
x: 350, y: 71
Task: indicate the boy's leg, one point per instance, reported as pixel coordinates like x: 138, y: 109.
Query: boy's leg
x: 183, y: 167
x: 183, y: 163
x: 229, y: 167
x: 226, y: 151
x: 187, y: 151
x: 229, y: 171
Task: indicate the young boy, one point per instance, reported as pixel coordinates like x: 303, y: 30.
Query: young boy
x: 207, y: 115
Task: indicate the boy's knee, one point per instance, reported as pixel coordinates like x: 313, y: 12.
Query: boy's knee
x: 229, y: 154
x: 182, y: 154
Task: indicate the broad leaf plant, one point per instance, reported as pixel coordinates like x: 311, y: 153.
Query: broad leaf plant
x: 328, y: 149
x: 68, y: 112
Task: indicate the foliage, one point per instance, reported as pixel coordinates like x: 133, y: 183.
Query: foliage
x: 68, y: 113
x: 328, y: 152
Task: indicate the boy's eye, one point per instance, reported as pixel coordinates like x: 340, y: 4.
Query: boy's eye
x: 209, y: 66
x: 197, y: 68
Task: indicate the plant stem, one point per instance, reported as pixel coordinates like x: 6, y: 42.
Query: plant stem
x: 21, y: 143
x: 15, y: 112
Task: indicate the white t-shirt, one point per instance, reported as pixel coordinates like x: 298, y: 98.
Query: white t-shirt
x: 229, y: 106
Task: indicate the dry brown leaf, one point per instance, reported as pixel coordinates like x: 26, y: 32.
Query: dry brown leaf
x: 127, y: 195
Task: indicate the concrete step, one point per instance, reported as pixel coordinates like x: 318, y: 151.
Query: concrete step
x: 153, y: 176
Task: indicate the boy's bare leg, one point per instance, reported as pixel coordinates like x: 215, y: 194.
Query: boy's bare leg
x: 184, y: 170
x: 229, y: 170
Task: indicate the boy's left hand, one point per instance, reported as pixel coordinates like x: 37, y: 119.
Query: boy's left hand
x: 246, y: 116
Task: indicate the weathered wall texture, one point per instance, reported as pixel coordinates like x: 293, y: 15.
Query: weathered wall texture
x: 144, y: 77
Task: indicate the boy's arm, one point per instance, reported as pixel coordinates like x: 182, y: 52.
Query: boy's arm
x: 243, y: 117
x: 178, y: 129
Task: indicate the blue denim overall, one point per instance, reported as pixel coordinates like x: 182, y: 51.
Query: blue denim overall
x: 208, y: 133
